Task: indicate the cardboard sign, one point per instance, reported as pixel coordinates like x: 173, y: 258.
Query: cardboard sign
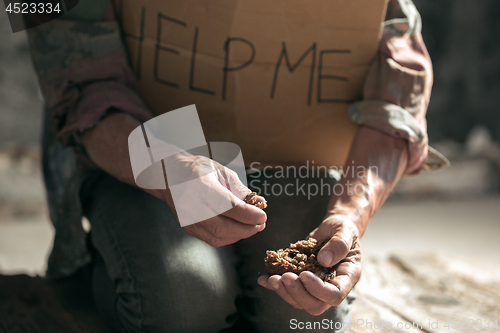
x: 274, y: 77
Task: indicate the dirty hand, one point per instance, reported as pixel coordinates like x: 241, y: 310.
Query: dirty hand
x: 198, y: 188
x: 307, y: 291
x: 214, y: 189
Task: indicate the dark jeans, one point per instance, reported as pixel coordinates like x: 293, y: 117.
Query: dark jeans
x: 151, y: 276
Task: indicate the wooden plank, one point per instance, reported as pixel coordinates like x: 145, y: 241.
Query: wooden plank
x: 430, y: 289
x: 369, y: 316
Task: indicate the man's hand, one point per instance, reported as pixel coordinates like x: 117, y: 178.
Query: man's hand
x: 217, y: 184
x: 107, y: 147
x: 347, y: 216
x: 307, y: 291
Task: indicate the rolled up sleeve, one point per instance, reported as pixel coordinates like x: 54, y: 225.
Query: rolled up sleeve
x: 83, y: 72
x: 398, y: 85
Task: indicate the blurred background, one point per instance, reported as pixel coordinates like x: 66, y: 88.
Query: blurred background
x: 455, y: 211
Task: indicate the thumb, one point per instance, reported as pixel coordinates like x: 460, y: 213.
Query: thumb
x: 337, y: 247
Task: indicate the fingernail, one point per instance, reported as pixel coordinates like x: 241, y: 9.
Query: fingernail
x: 275, y: 285
x: 262, y: 227
x: 326, y: 258
x: 287, y: 282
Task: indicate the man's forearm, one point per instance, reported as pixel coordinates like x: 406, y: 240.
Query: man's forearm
x: 375, y: 164
x: 107, y: 146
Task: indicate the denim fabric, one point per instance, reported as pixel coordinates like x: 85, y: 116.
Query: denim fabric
x: 151, y: 276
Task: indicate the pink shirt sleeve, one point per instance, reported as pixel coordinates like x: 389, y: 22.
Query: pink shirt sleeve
x: 398, y: 85
x: 84, y: 73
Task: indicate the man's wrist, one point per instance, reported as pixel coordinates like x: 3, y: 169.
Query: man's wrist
x: 350, y: 216
x: 356, y: 203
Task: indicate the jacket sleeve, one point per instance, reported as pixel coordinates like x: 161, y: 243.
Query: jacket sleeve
x: 398, y: 85
x: 83, y: 71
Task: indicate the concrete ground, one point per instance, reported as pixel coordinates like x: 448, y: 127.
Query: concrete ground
x: 468, y: 228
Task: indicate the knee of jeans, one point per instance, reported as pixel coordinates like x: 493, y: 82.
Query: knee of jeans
x: 163, y: 309
x: 190, y: 290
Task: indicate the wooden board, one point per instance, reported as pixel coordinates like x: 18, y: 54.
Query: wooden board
x: 425, y: 289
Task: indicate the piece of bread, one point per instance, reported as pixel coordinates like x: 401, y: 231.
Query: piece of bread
x: 252, y: 199
x: 299, y: 257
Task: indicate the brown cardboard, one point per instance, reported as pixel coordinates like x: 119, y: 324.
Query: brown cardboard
x: 222, y: 56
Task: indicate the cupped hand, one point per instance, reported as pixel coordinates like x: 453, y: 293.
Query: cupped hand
x: 307, y: 291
